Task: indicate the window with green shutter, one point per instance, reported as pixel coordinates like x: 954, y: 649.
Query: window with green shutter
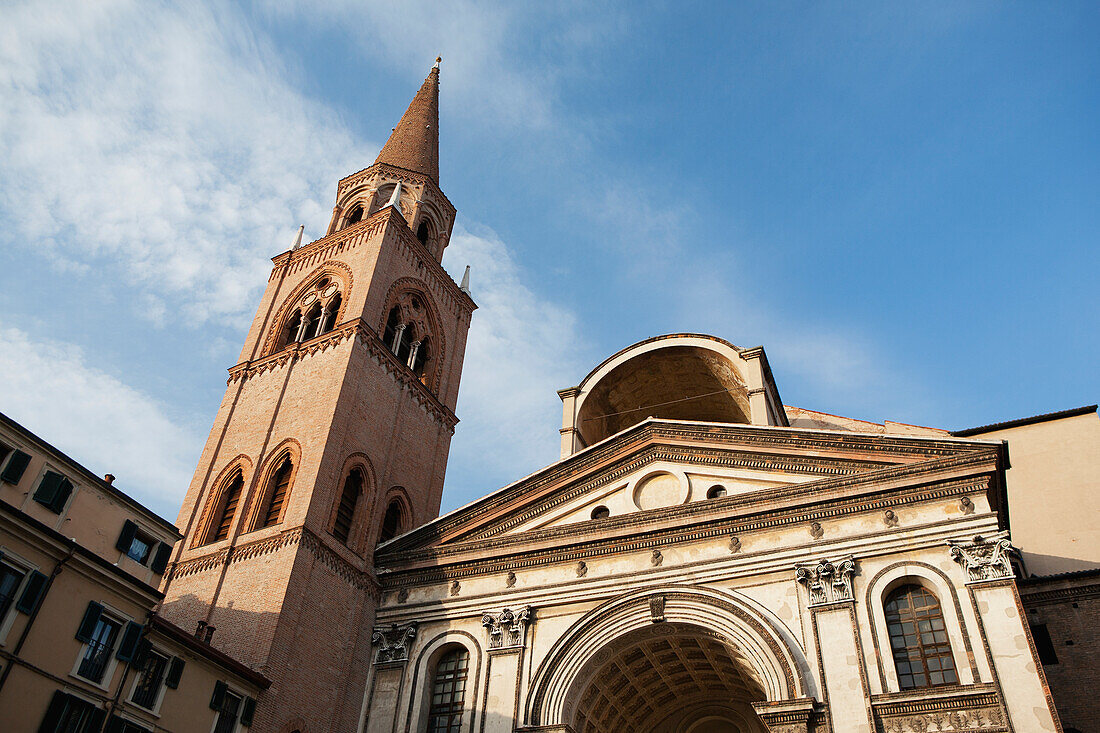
x: 53, y: 491
x: 14, y: 468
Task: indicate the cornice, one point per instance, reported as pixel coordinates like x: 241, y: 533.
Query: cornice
x: 393, y: 172
x: 1058, y: 595
x: 745, y: 437
x: 361, y: 578
x: 514, y: 552
x: 366, y: 337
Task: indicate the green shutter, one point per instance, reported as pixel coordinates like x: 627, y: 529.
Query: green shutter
x: 54, y: 712
x: 126, y: 538
x: 248, y: 709
x: 218, y: 698
x: 32, y: 593
x: 160, y: 559
x: 95, y: 719
x: 64, y: 491
x: 15, y: 468
x: 130, y: 638
x: 91, y: 618
x: 175, y: 671
x: 48, y: 488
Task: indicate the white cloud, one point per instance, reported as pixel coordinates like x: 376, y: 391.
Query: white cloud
x: 521, y: 349
x: 52, y: 390
x: 163, y: 142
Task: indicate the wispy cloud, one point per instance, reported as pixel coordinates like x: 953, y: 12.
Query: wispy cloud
x: 521, y: 349
x: 162, y: 145
x: 53, y: 390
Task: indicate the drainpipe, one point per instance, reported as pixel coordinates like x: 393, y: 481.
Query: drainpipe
x: 34, y: 614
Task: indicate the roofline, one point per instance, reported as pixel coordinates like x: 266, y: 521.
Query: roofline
x: 1067, y: 575
x: 1074, y: 412
x: 92, y: 478
x: 79, y: 549
x: 169, y: 629
x: 625, y: 433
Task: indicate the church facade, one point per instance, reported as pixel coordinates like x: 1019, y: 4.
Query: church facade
x: 702, y: 558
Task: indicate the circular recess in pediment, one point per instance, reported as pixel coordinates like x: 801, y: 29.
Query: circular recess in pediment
x: 660, y: 489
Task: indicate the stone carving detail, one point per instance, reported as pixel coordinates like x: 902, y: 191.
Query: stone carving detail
x: 987, y: 719
x: 456, y: 587
x: 735, y: 543
x: 967, y: 505
x: 656, y: 558
x: 984, y: 559
x: 393, y: 642
x: 510, y: 580
x: 506, y: 629
x: 402, y: 595
x: 828, y: 582
x: 657, y: 609
x: 816, y: 531
x: 889, y: 518
x: 582, y: 569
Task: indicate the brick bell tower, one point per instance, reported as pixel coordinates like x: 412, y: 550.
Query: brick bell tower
x: 332, y: 436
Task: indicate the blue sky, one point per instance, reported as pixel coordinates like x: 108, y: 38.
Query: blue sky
x: 899, y: 201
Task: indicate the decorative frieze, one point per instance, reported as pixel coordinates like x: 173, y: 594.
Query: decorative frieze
x: 393, y: 642
x: 507, y: 628
x: 826, y: 581
x: 984, y: 558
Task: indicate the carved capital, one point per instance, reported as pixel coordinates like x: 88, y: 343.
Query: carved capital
x: 984, y: 558
x: 393, y: 642
x: 786, y: 716
x: 508, y: 628
x: 828, y: 581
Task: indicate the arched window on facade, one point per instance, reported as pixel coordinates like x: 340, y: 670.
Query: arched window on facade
x: 408, y: 334
x: 291, y: 330
x: 314, y: 314
x: 391, y: 522
x: 448, y: 691
x: 918, y: 638
x: 354, y: 216
x: 230, y: 500
x: 601, y: 512
x: 312, y: 322
x: 349, y: 500
x: 717, y: 491
x: 277, y: 489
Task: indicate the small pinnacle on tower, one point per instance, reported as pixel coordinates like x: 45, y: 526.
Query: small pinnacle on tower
x: 465, y: 286
x: 395, y: 199
x: 438, y: 61
x: 298, y: 239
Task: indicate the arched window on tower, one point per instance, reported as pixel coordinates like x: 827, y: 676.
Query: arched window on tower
x: 420, y: 355
x: 423, y: 233
x: 349, y: 500
x: 404, y: 344
x: 391, y: 522
x: 332, y: 312
x: 918, y: 638
x: 448, y: 692
x: 313, y: 322
x: 393, y: 320
x: 354, y: 216
x: 229, y: 501
x: 278, y: 486
x: 290, y: 331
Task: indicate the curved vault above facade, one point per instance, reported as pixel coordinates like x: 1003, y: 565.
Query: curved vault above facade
x: 676, y: 377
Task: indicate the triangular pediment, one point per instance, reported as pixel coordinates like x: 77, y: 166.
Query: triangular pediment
x: 666, y: 471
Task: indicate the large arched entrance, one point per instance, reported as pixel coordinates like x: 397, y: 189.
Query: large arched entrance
x: 674, y: 659
x: 666, y: 678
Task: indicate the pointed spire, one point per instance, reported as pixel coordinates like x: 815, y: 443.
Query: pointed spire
x: 465, y: 286
x: 414, y: 144
x: 298, y: 239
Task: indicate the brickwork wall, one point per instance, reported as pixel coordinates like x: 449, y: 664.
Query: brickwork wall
x: 1070, y: 609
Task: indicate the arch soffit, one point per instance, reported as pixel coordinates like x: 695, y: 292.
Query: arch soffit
x: 721, y: 347
x: 775, y: 665
x: 332, y: 269
x: 935, y: 580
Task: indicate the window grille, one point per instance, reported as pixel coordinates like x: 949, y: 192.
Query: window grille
x: 918, y: 639
x: 448, y: 690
